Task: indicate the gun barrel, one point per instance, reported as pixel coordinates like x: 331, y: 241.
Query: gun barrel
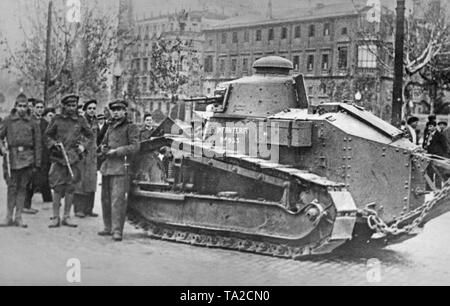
x: 66, y: 158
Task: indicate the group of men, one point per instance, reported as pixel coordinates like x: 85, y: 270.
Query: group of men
x: 435, y: 138
x: 44, y: 150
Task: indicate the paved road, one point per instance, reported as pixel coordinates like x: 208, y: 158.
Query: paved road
x: 38, y: 256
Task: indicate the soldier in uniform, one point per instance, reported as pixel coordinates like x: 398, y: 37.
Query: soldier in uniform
x: 32, y: 185
x: 119, y: 144
x: 71, y: 132
x: 85, y: 192
x: 23, y: 138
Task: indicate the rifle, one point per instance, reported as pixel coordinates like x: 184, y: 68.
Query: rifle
x: 127, y: 184
x: 66, y: 158
x: 7, y: 161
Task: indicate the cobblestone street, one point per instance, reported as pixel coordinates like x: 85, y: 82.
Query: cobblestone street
x: 38, y: 256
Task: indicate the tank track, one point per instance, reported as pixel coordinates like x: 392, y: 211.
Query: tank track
x: 217, y: 241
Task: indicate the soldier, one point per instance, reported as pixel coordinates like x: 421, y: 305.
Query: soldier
x: 67, y: 137
x: 85, y: 192
x: 32, y: 185
x: 22, y: 157
x: 40, y: 179
x: 120, y: 142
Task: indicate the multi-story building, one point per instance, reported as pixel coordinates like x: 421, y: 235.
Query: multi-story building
x: 184, y: 26
x: 333, y: 46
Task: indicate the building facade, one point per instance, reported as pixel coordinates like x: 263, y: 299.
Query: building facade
x: 333, y: 46
x: 184, y: 28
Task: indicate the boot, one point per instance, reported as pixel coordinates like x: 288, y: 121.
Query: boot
x: 117, y: 237
x: 7, y: 223
x: 80, y: 215
x: 105, y: 233
x: 67, y: 223
x: 56, y: 222
x: 19, y: 223
x: 30, y: 211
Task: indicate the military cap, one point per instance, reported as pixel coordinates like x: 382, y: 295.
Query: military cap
x: 86, y: 104
x: 101, y: 117
x: 118, y: 103
x: 49, y: 110
x: 66, y: 98
x: 443, y: 123
x: 21, y: 96
x: 32, y: 100
x: 412, y: 120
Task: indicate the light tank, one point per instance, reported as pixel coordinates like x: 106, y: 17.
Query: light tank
x: 267, y: 173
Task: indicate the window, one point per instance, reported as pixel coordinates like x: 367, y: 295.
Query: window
x: 245, y: 65
x: 224, y: 38
x: 326, y: 29
x: 298, y: 32
x: 209, y: 64
x: 271, y: 34
x: 258, y: 35
x: 284, y: 33
x: 235, y: 37
x: 310, y: 63
x: 310, y: 90
x: 312, y: 31
x: 296, y: 62
x: 145, y: 65
x: 144, y: 84
x: 343, y: 57
x: 210, y: 42
x: 344, y: 31
x: 325, y: 63
x: 323, y: 88
x: 222, y: 65
x: 367, y: 56
x: 233, y: 65
x: 246, y: 36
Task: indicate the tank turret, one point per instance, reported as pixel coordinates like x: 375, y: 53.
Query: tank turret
x: 270, y: 90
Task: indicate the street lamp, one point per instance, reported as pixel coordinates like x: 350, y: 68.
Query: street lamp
x: 117, y: 72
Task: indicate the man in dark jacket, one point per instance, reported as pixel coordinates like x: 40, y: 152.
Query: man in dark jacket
x: 436, y: 141
x: 85, y: 192
x: 426, y: 132
x: 70, y: 134
x: 40, y: 179
x: 22, y: 157
x: 120, y: 143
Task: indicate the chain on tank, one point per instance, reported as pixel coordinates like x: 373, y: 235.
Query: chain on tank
x: 377, y: 224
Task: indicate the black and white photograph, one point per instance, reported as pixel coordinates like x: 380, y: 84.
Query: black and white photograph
x: 214, y: 146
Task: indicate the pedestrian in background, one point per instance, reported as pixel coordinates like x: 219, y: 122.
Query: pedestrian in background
x: 22, y: 157
x: 436, y: 141
x: 68, y: 136
x: 49, y: 114
x: 148, y: 128
x: 442, y: 125
x: 120, y: 143
x: 84, y: 198
x: 426, y: 132
x: 411, y: 130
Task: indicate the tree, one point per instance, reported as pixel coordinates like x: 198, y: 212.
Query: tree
x: 80, y: 52
x: 427, y: 39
